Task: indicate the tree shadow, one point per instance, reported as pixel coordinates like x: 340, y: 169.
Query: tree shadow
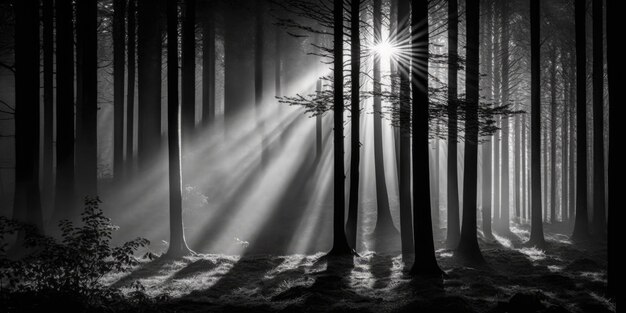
x: 380, y: 267
x: 144, y: 271
x: 248, y: 272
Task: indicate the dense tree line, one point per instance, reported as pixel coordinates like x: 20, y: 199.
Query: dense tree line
x: 517, y: 119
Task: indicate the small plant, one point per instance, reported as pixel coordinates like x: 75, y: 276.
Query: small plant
x: 72, y: 266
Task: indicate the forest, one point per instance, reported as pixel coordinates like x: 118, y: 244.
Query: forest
x: 309, y: 155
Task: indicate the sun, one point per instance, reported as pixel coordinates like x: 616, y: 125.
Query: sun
x: 384, y: 49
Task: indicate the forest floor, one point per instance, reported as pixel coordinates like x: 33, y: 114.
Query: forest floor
x: 564, y: 277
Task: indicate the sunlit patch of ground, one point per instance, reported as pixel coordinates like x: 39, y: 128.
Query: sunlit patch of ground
x: 561, y: 278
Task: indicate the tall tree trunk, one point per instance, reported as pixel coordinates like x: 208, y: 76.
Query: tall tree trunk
x: 384, y: 229
x: 130, y: 96
x: 504, y: 44
x: 27, y: 202
x: 394, y: 74
x: 425, y: 262
x: 149, y: 81
x: 119, y: 48
x: 208, y: 64
x: 572, y: 147
x: 565, y: 140
x: 355, y: 114
x: 454, y: 227
x: 497, y: 87
x: 188, y: 74
x: 517, y: 185
x: 545, y: 173
x: 48, y: 99
x: 599, y: 216
x: 553, y: 87
x: 64, y: 199
x: 523, y: 152
x: 487, y: 153
x: 435, y: 210
x: 616, y: 69
x: 340, y: 243
x: 406, y: 224
x: 581, y: 226
x: 468, y: 246
x: 86, y: 55
x: 536, y: 224
x: 258, y: 76
x: 178, y: 245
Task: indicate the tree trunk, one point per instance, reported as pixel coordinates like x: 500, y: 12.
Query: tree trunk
x: 258, y: 76
x: 545, y: 173
x: 355, y: 114
x: 468, y: 246
x: 65, y: 196
x: 48, y: 99
x: 616, y: 69
x: 553, y: 87
x: 406, y: 224
x: 523, y: 151
x: 340, y: 243
x: 130, y: 96
x: 27, y: 202
x: 178, y: 245
x: 536, y: 224
x: 497, y: 87
x: 504, y: 44
x: 517, y: 175
x: 487, y: 145
x: 208, y: 64
x: 149, y: 81
x: 394, y: 74
x: 384, y: 229
x: 425, y: 262
x: 188, y: 74
x: 86, y: 55
x: 572, y: 148
x: 119, y: 48
x: 599, y: 216
x: 581, y: 226
x: 565, y: 139
x: 454, y: 226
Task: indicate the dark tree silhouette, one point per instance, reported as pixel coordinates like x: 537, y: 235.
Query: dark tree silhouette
x: 119, y: 48
x: 565, y: 140
x: 87, y: 65
x: 149, y: 15
x: 64, y: 195
x: 599, y: 216
x: 27, y: 203
x: 406, y: 227
x: 208, y: 63
x: 47, y: 12
x: 355, y: 116
x: 487, y: 144
x: 581, y: 226
x: 468, y: 245
x: 178, y: 245
x: 425, y: 262
x: 454, y: 226
x: 130, y: 93
x: 504, y: 184
x: 340, y: 243
x: 536, y: 230
x: 616, y: 69
x: 553, y: 87
x: 188, y: 73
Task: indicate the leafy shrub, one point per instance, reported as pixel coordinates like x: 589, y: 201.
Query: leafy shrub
x: 69, y: 268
